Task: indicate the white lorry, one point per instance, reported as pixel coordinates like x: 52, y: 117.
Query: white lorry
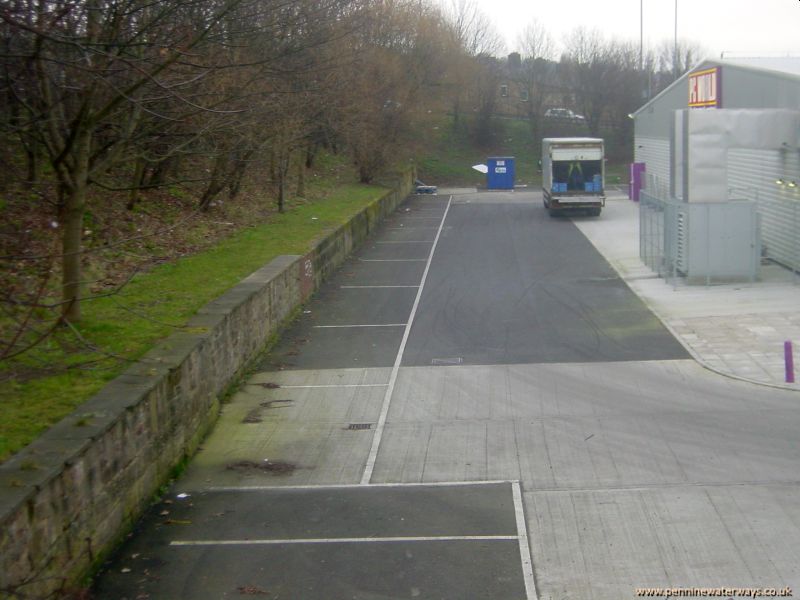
x: 573, y: 175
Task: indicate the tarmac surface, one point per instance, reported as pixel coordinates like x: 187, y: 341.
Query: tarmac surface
x: 478, y: 405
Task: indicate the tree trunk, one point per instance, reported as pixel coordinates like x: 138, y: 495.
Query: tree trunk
x: 71, y: 237
x: 33, y: 165
x: 283, y: 174
x: 301, y: 180
x: 311, y: 153
x: 136, y: 183
x: 216, y: 184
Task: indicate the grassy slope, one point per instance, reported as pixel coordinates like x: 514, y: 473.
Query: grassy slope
x: 168, y: 295
x: 452, y: 152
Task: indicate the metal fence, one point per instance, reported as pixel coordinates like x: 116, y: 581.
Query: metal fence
x: 703, y: 242
x: 657, y: 235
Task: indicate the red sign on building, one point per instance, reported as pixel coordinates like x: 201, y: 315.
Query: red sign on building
x: 705, y: 89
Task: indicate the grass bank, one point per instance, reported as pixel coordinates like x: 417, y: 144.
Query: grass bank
x: 120, y: 328
x: 451, y: 151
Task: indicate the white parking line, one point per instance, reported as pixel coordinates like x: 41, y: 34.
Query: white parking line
x: 333, y: 385
x: 347, y: 326
x: 392, y: 259
x: 524, y: 548
x: 407, y: 228
x: 376, y: 440
x: 403, y: 217
x: 368, y: 540
x: 344, y: 486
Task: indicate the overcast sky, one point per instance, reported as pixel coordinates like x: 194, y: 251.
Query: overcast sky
x: 737, y: 27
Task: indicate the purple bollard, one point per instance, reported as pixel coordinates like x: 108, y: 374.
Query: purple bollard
x: 789, y: 360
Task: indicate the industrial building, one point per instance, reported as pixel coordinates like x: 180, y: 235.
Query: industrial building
x: 728, y: 131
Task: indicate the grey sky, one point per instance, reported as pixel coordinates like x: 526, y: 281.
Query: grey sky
x: 737, y: 27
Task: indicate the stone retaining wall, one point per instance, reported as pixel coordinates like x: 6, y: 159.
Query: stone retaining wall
x: 67, y: 498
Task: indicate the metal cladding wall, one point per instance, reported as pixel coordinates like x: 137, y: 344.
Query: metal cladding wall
x: 655, y: 121
x: 753, y: 174
x: 655, y: 153
x: 751, y: 88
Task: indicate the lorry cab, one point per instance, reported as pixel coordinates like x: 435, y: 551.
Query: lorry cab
x: 573, y: 175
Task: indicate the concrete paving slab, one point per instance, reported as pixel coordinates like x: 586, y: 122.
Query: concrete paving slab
x: 298, y: 434
x: 603, y: 544
x: 568, y: 426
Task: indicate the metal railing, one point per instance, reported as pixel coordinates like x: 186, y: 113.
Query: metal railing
x: 658, y: 236
x: 702, y: 241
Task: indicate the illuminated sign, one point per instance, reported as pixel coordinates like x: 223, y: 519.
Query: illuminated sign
x: 705, y: 89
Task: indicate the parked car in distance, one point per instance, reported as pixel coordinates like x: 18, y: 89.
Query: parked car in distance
x: 563, y: 114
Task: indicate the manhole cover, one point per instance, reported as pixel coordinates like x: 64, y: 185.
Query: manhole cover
x: 358, y: 426
x: 456, y: 360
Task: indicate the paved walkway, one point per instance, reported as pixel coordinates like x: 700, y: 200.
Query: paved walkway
x: 734, y: 329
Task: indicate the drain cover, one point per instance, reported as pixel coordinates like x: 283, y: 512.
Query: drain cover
x: 456, y: 360
x: 357, y: 426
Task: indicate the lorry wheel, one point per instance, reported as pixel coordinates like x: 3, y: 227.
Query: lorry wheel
x: 594, y: 212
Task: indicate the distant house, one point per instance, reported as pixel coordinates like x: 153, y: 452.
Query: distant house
x: 519, y: 94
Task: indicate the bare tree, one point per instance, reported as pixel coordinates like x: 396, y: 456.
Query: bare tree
x: 592, y: 64
x: 101, y: 88
x: 100, y: 72
x: 472, y: 29
x: 671, y: 62
x: 397, y: 65
x: 536, y: 72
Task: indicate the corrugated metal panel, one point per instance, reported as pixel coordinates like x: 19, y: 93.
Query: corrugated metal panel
x: 681, y: 251
x: 752, y: 174
x: 654, y: 152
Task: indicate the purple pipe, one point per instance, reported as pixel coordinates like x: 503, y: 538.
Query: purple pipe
x: 789, y: 360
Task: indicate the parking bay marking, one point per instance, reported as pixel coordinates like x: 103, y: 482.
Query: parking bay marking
x: 375, y: 287
x: 367, y: 325
x: 277, y: 542
x: 392, y: 260
x: 376, y: 440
